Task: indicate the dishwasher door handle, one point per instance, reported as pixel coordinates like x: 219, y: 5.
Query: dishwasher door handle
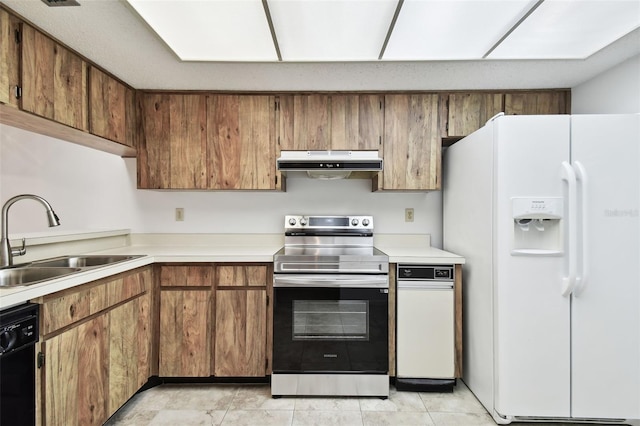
x: 424, y: 285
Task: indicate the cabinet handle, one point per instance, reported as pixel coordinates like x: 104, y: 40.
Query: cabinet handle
x: 18, y: 92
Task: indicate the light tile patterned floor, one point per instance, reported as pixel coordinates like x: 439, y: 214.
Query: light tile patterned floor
x: 220, y: 404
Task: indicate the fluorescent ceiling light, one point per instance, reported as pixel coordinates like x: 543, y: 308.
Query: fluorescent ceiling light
x: 331, y: 30
x: 570, y: 29
x: 355, y: 30
x: 210, y: 30
x: 452, y: 29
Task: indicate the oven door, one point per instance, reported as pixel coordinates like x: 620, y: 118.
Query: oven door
x: 330, y: 324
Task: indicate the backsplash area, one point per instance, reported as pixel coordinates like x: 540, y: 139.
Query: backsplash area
x: 93, y: 190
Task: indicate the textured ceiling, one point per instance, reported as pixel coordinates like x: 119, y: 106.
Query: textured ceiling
x: 110, y: 34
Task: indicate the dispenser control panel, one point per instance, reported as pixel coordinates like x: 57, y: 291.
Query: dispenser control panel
x: 537, y: 208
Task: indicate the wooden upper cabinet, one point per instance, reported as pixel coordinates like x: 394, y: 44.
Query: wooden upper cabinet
x: 357, y: 122
x: 107, y: 107
x: 537, y: 102
x: 54, y: 80
x: 9, y: 59
x: 241, y: 148
x: 467, y: 112
x: 330, y: 122
x: 411, y: 143
x: 304, y: 123
x: 172, y: 152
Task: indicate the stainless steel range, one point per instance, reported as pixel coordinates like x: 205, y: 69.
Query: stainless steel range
x: 331, y: 288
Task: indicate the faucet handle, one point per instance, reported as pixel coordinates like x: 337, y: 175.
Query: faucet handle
x: 21, y: 251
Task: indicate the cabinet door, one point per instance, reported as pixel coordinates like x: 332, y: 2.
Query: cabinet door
x: 173, y: 149
x: 185, y: 333
x: 107, y: 106
x: 75, y: 375
x: 304, y: 123
x: 129, y: 350
x: 470, y: 111
x: 241, y: 142
x: 9, y: 58
x: 532, y: 103
x: 54, y: 80
x: 356, y: 122
x: 411, y: 143
x: 241, y: 333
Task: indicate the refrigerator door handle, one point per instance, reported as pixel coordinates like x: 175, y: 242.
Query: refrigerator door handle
x: 581, y: 176
x: 567, y: 174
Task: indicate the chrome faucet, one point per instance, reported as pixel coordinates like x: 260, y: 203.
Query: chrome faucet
x: 6, y: 252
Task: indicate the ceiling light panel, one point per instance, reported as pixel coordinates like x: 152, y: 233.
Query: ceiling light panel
x: 210, y: 30
x: 570, y: 29
x: 452, y: 29
x: 331, y: 30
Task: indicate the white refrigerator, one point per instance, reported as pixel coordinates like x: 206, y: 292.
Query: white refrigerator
x: 546, y: 212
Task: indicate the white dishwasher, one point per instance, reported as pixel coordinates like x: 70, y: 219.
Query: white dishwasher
x: 425, y: 328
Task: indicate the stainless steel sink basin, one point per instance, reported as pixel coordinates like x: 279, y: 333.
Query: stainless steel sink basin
x: 25, y: 275
x: 42, y: 270
x: 88, y: 261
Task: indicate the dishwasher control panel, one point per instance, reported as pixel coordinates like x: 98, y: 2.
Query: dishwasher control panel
x: 426, y: 272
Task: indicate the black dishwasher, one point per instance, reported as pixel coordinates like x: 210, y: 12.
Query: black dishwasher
x: 18, y: 336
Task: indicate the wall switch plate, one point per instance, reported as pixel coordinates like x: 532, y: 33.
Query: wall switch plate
x: 179, y: 214
x: 408, y: 215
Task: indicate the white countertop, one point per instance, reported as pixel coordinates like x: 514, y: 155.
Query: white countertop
x: 175, y: 248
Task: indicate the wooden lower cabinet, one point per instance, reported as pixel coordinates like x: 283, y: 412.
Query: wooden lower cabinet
x: 75, y: 375
x: 185, y: 333
x: 241, y: 333
x: 94, y: 365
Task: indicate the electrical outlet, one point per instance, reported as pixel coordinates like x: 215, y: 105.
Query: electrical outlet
x: 408, y: 215
x: 179, y: 214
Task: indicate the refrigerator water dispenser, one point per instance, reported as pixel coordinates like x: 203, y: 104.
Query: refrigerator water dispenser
x: 537, y: 226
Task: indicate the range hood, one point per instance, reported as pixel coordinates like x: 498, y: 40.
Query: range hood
x: 331, y: 164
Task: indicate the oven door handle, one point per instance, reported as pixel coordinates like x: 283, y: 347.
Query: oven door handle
x: 332, y: 281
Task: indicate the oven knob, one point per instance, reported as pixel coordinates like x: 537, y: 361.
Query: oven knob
x: 365, y: 222
x: 303, y: 221
x: 354, y: 222
x: 292, y: 221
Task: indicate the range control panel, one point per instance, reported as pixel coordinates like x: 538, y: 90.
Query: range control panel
x: 426, y: 272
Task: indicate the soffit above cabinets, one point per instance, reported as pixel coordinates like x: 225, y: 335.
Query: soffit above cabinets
x: 386, y: 30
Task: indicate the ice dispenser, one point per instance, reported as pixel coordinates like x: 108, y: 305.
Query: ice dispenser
x: 537, y: 226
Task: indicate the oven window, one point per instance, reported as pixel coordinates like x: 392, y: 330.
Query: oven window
x: 331, y: 320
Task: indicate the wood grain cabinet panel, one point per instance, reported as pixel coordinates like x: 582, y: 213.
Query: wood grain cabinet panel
x: 185, y: 333
x: 356, y: 122
x: 304, y: 122
x: 75, y: 375
x: 330, y: 122
x: 172, y: 152
x: 412, y: 145
x: 107, y: 107
x: 9, y: 59
x: 241, y: 334
x: 186, y: 276
x: 241, y: 142
x: 244, y: 275
x: 537, y: 102
x: 54, y: 80
x: 129, y: 350
x: 467, y: 112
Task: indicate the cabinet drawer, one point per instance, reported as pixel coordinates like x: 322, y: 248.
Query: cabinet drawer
x: 186, y: 276
x: 228, y: 276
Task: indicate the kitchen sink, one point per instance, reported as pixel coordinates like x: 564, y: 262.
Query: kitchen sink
x: 25, y: 275
x: 89, y: 261
x: 42, y: 270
